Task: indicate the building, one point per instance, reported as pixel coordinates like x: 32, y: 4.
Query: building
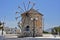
x: 2, y: 32
x: 32, y: 23
x: 11, y: 30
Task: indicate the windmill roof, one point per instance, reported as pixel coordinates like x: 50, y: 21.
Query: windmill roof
x: 33, y: 11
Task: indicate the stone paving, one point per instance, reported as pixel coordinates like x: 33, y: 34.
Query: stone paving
x: 31, y: 39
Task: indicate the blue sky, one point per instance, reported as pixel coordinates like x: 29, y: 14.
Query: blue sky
x: 49, y: 8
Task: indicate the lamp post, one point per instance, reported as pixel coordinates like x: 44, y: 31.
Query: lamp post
x: 2, y: 29
x: 34, y: 19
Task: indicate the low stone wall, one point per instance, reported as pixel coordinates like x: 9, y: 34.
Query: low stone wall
x: 48, y: 35
x: 44, y: 36
x: 11, y: 35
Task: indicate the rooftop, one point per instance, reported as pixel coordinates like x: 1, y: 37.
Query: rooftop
x: 32, y: 11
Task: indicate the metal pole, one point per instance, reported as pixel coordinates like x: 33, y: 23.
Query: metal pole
x: 43, y: 24
x: 33, y: 27
x: 2, y: 27
x: 2, y: 30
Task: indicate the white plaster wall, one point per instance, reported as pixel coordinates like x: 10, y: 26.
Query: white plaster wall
x: 4, y: 33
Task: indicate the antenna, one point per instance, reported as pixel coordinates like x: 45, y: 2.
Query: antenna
x: 24, y: 6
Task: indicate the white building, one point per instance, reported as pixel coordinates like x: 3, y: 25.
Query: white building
x: 4, y: 33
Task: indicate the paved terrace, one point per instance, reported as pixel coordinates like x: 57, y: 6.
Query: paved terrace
x: 44, y: 36
x: 14, y: 37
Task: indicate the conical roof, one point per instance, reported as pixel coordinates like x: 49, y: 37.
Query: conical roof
x: 32, y: 11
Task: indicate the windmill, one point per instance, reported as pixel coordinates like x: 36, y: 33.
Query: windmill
x: 23, y: 10
x: 30, y: 20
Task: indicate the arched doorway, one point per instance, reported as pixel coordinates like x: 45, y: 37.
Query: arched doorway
x: 27, y: 28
